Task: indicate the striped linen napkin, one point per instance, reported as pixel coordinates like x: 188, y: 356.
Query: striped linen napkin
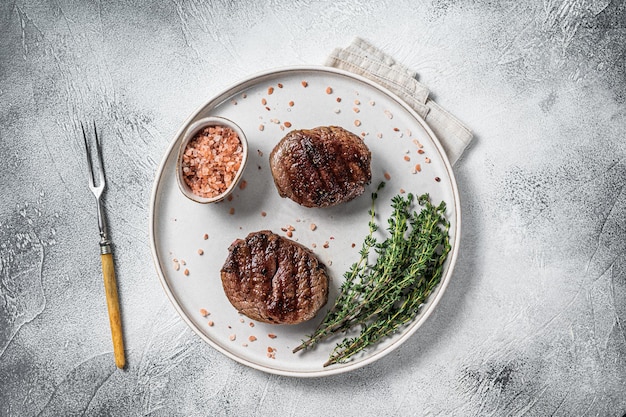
x: 362, y: 58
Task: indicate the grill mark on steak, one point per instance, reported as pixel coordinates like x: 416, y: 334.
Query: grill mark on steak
x: 320, y: 167
x: 318, y: 158
x: 273, y: 279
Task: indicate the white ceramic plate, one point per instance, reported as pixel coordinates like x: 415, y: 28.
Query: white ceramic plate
x: 177, y: 225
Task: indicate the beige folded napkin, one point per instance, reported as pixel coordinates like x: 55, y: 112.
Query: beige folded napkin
x: 364, y: 59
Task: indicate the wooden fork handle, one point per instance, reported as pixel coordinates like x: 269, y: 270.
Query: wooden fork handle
x: 113, y: 305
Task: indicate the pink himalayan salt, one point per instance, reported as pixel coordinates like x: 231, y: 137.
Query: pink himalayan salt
x: 211, y: 160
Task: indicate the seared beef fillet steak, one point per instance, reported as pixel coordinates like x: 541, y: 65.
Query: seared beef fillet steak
x: 321, y: 167
x: 272, y: 279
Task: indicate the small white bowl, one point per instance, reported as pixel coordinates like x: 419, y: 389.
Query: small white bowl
x: 193, y: 129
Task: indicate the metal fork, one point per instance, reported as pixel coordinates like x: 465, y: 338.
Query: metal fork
x: 106, y: 255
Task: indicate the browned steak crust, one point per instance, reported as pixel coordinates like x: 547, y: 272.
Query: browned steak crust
x: 321, y: 167
x: 272, y: 279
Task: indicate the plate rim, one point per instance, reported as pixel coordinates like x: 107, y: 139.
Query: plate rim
x: 422, y: 316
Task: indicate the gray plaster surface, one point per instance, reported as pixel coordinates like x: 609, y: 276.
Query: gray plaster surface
x: 533, y: 322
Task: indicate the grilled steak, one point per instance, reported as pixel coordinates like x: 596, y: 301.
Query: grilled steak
x: 321, y: 167
x: 272, y: 279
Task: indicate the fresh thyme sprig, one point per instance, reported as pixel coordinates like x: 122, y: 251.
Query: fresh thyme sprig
x: 382, y: 297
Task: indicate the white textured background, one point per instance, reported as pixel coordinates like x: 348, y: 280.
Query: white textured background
x: 534, y: 320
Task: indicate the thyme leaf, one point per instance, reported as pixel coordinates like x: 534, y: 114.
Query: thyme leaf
x: 383, y: 296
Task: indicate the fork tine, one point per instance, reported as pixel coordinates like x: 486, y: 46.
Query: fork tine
x: 101, y: 176
x: 89, y: 167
